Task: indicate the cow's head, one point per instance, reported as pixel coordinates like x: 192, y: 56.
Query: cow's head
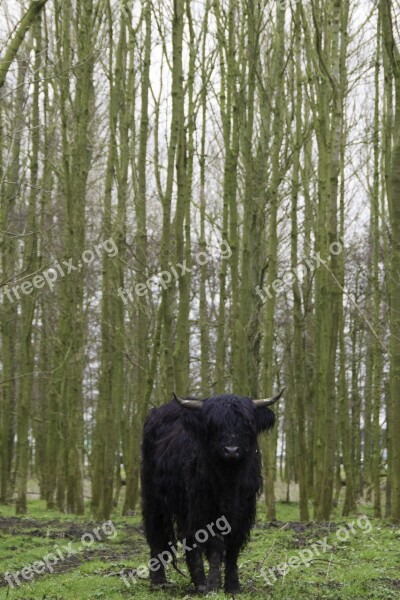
x: 228, y: 425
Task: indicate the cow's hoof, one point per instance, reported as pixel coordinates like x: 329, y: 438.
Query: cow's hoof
x: 201, y: 589
x: 156, y: 585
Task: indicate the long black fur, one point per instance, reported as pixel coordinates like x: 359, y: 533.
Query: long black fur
x: 187, y: 481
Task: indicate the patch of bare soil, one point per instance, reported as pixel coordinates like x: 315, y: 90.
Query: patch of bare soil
x: 54, y: 529
x: 393, y: 583
x: 58, y: 530
x: 300, y: 526
x: 72, y: 562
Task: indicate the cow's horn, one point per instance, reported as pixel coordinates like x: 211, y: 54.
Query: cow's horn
x: 269, y: 401
x: 188, y: 403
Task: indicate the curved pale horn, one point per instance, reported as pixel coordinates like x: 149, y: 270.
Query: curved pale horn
x: 188, y: 403
x: 269, y: 401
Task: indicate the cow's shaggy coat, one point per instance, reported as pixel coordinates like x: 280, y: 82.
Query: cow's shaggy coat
x: 197, y: 466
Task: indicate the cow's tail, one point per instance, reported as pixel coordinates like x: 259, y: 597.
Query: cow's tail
x: 174, y: 561
x: 175, y: 565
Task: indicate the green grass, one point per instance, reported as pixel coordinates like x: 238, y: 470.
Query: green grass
x: 366, y: 565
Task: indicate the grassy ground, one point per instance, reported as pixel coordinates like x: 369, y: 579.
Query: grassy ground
x: 362, y: 560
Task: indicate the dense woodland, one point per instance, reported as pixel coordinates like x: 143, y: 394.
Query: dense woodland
x: 162, y: 166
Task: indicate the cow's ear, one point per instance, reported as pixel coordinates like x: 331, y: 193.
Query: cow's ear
x: 265, y: 419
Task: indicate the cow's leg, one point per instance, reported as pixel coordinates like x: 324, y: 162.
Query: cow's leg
x: 194, y: 561
x: 159, y: 531
x: 215, y: 554
x: 232, y: 585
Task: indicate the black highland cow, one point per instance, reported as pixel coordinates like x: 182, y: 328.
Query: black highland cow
x: 201, y: 462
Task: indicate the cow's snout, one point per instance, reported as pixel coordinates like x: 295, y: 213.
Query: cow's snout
x: 231, y: 451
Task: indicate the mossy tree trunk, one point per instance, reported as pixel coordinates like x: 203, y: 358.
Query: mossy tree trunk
x: 76, y: 156
x: 393, y: 190
x: 268, y: 371
x: 28, y: 302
